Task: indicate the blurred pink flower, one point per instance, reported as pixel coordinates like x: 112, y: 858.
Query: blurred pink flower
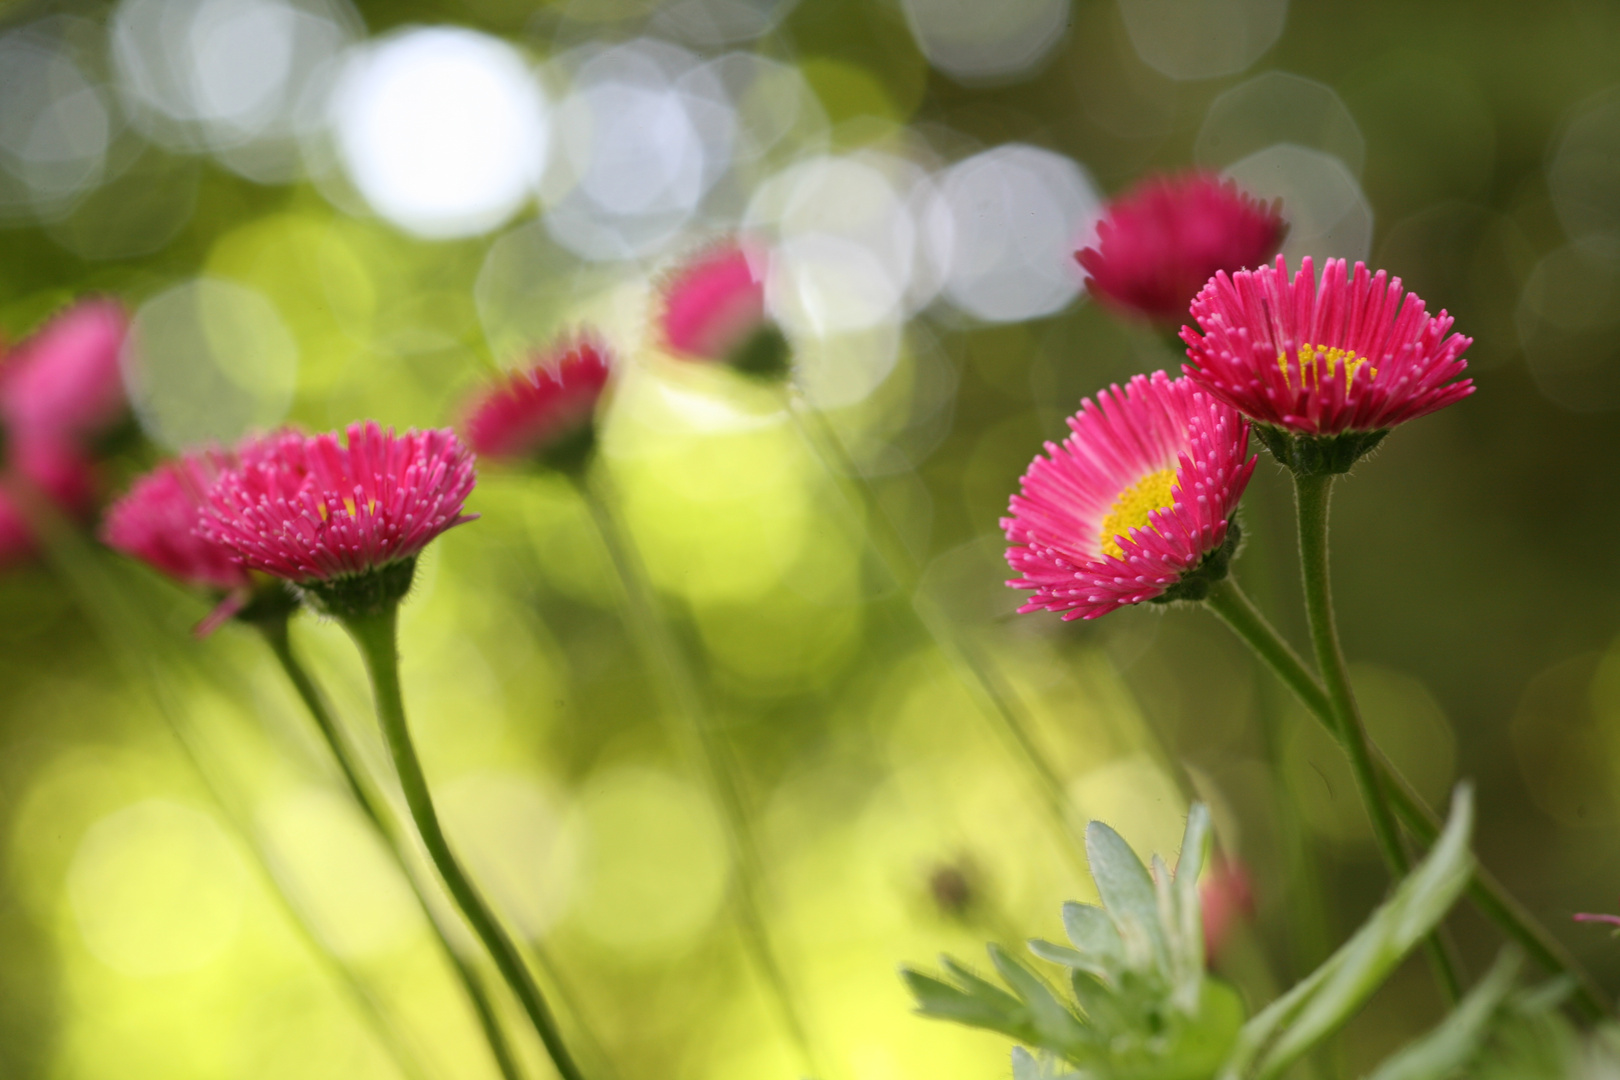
x: 64, y: 380
x: 41, y: 467
x: 714, y: 303
x: 542, y: 412
x: 1352, y: 356
x: 1136, y: 504
x: 308, y: 508
x: 1227, y: 897
x: 156, y: 522
x: 1161, y: 241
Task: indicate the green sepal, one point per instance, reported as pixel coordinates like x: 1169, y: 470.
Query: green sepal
x: 1196, y: 583
x: 765, y: 355
x: 573, y: 452
x: 1317, y: 455
x: 362, y: 595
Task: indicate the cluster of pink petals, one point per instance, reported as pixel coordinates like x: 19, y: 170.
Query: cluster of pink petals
x: 64, y: 380
x: 309, y: 508
x: 156, y: 522
x: 1401, y: 360
x: 40, y: 468
x: 1155, y: 423
x: 58, y: 389
x: 530, y: 411
x: 714, y: 302
x: 1161, y: 241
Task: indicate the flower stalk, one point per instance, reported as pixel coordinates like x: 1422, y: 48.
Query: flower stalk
x: 1228, y: 601
x: 375, y: 633
x: 274, y: 631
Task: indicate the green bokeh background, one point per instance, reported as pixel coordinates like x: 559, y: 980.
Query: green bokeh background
x: 1473, y: 561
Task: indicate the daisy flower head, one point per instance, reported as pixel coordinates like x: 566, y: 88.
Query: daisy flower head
x: 157, y: 520
x: 1159, y: 242
x: 342, y: 519
x: 545, y: 413
x: 1135, y: 505
x: 1324, y: 372
x: 714, y: 310
x: 64, y: 380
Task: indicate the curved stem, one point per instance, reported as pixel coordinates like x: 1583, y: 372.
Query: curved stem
x: 1312, y: 496
x: 376, y: 636
x: 371, y: 803
x: 1488, y: 894
x: 975, y: 670
x: 704, y: 747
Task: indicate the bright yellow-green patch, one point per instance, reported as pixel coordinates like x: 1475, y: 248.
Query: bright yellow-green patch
x: 1155, y: 491
x: 1315, y: 361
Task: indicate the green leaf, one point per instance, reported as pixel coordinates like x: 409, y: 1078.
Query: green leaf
x: 943, y: 1001
x: 1445, y: 1050
x: 1329, y: 996
x: 1094, y: 934
x: 1125, y: 888
x: 1057, y: 1027
x: 1025, y: 1066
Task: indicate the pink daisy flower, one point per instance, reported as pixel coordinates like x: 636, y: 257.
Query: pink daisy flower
x: 64, y: 379
x: 1159, y: 242
x: 156, y: 522
x: 1136, y: 504
x: 312, y: 510
x: 546, y: 413
x: 1340, y: 364
x: 714, y: 309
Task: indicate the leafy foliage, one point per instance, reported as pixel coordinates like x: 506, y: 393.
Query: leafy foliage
x: 1140, y: 1006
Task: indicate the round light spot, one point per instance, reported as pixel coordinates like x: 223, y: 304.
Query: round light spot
x: 442, y: 130
x: 1017, y: 214
x: 977, y: 43
x: 54, y: 125
x: 1584, y: 174
x: 156, y: 888
x: 656, y: 865
x: 509, y: 829
x: 1327, y: 215
x: 1278, y: 107
x: 1568, y: 318
x: 1202, y: 39
x: 348, y: 884
x: 207, y: 361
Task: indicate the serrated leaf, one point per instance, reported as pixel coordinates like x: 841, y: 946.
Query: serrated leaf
x: 977, y: 986
x: 1457, y: 1038
x: 1057, y: 1027
x: 1318, y: 1006
x: 1094, y: 934
x: 1124, y: 885
x: 1188, y: 956
x: 1099, y: 1004
x: 942, y: 1001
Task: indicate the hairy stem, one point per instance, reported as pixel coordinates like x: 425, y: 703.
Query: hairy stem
x: 377, y: 638
x: 383, y: 823
x: 705, y: 748
x: 1488, y: 894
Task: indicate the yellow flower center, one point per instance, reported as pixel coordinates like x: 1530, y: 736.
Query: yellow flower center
x: 1315, y: 361
x: 1155, y: 491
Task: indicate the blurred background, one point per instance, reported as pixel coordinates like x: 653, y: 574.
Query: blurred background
x: 320, y: 211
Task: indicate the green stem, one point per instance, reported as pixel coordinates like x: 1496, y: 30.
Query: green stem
x: 1488, y: 894
x: 973, y: 668
x: 1312, y: 496
x: 376, y: 635
x: 704, y: 747
x: 370, y: 801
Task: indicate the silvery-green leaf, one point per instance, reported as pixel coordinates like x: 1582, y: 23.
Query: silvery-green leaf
x: 945, y: 1002
x: 1457, y: 1039
x: 1025, y: 1066
x: 1124, y: 885
x: 1057, y: 1026
x: 1093, y: 933
x: 1315, y: 1008
x: 1069, y: 958
x: 1189, y: 956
